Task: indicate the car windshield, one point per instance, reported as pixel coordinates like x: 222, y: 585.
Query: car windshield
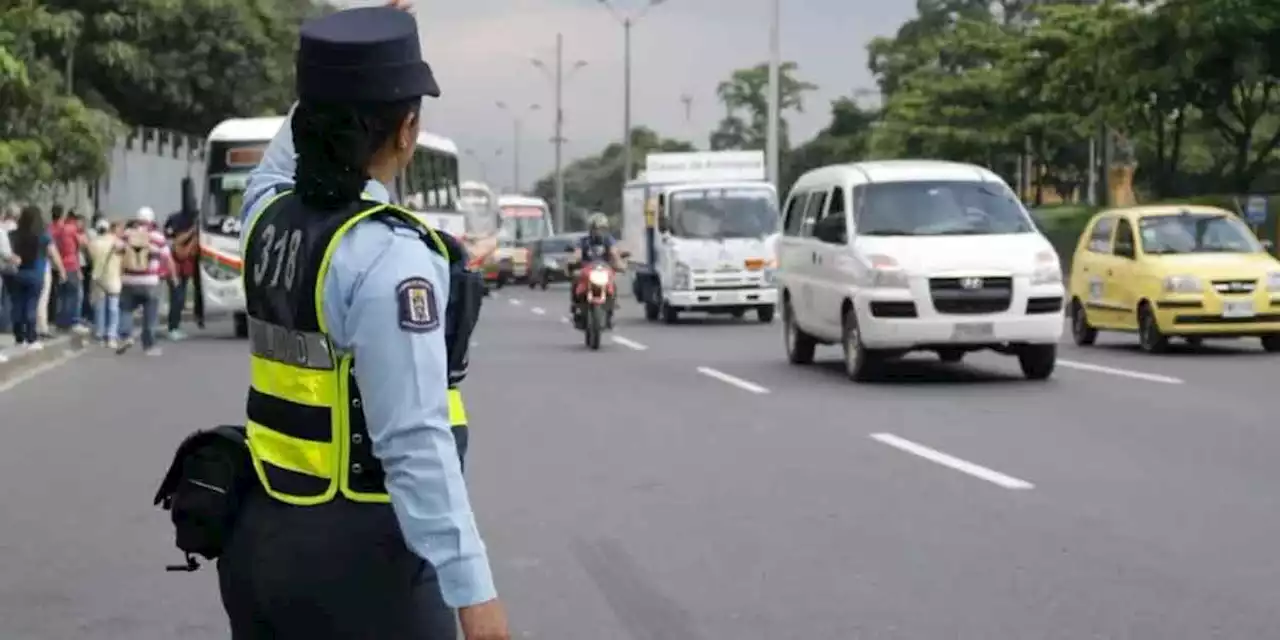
x: 221, y: 210
x: 724, y: 213
x: 1195, y: 233
x: 939, y: 208
x: 559, y: 245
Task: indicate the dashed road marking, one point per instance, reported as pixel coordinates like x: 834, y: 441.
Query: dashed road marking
x: 564, y: 319
x: 628, y: 343
x: 1124, y: 373
x: 745, y: 385
x: 514, y: 301
x: 952, y: 462
x: 538, y: 311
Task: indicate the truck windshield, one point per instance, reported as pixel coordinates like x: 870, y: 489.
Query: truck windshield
x: 939, y: 209
x: 221, y: 211
x: 716, y: 214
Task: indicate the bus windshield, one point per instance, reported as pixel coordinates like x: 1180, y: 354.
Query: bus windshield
x: 715, y: 214
x: 522, y: 224
x: 223, y: 199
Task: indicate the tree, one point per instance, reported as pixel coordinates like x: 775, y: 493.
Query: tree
x: 593, y: 183
x: 845, y: 139
x: 746, y: 102
x: 46, y: 136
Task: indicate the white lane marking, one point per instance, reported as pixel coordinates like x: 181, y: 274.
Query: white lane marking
x: 1124, y: 373
x: 628, y: 343
x: 538, y: 311
x: 48, y: 366
x: 515, y: 301
x: 474, y: 343
x: 946, y: 460
x: 745, y: 385
x: 564, y: 319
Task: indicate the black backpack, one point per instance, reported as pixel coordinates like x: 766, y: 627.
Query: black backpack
x: 204, y: 489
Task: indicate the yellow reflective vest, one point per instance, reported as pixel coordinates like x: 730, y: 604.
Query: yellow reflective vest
x: 306, y: 429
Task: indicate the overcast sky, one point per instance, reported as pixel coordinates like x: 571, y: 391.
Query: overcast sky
x: 481, y: 52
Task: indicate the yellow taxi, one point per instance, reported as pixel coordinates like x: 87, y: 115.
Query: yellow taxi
x: 1167, y: 271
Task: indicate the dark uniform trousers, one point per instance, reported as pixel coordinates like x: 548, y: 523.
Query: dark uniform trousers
x: 338, y: 571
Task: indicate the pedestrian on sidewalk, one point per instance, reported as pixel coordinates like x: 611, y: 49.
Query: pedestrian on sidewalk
x: 105, y: 284
x: 180, y: 231
x: 8, y: 264
x: 144, y: 256
x: 38, y: 254
x: 69, y: 236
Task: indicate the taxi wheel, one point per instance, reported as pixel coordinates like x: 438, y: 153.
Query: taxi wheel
x: 1149, y: 336
x: 800, y: 345
x: 1271, y: 344
x: 860, y: 363
x: 1083, y: 334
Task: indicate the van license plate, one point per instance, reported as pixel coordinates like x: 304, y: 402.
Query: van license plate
x: 973, y: 331
x: 1238, y: 309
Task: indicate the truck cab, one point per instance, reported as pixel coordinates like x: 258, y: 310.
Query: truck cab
x: 705, y: 243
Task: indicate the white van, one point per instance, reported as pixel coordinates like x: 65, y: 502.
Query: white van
x: 904, y: 255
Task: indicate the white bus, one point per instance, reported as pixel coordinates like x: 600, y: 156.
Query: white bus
x: 429, y: 186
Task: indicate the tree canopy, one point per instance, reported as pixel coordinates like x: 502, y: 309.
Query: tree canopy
x: 75, y: 73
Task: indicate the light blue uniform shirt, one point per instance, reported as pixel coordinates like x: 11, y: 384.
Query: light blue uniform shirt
x: 403, y: 380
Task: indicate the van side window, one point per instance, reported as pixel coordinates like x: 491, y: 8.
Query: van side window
x: 795, y: 213
x: 1100, y: 237
x: 837, y: 201
x: 813, y: 212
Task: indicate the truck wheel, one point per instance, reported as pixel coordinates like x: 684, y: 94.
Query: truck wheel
x: 651, y: 311
x: 765, y: 314
x: 242, y: 325
x: 670, y: 314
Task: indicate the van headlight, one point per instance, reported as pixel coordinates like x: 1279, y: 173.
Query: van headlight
x: 682, y: 279
x: 1273, y: 281
x: 885, y: 273
x: 1047, y: 275
x: 1182, y: 284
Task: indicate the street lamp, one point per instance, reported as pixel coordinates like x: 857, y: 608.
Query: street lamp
x: 558, y: 77
x: 515, y: 141
x: 628, y: 21
x: 484, y: 172
x: 775, y: 93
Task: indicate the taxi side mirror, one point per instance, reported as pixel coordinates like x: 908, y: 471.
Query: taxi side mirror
x: 1268, y: 245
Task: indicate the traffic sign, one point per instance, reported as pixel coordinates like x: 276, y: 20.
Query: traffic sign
x: 1255, y: 209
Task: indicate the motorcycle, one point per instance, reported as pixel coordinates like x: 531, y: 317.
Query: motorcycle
x: 596, y: 292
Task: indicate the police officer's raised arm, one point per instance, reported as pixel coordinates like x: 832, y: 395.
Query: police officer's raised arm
x: 391, y: 312
x: 274, y: 173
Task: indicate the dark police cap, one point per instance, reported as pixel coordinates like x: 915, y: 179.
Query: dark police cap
x: 363, y: 55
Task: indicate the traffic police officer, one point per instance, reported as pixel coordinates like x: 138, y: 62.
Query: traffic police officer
x: 362, y: 527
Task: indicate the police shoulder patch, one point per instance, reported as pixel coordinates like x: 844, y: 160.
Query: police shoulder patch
x: 416, y: 298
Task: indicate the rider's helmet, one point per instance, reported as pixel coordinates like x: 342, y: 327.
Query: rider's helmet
x: 598, y: 224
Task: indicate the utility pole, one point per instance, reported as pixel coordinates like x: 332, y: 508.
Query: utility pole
x: 517, y: 124
x: 628, y: 21
x: 775, y: 92
x: 559, y: 140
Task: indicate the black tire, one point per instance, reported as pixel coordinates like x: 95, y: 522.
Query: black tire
x: 1038, y: 360
x: 1271, y: 343
x: 765, y: 314
x: 738, y: 313
x: 860, y: 363
x: 595, y: 326
x: 799, y: 345
x: 1081, y: 332
x: 241, y: 321
x: 670, y: 314
x: 1150, y: 339
x: 951, y: 356
x: 544, y: 282
x: 1194, y: 342
x: 651, y: 311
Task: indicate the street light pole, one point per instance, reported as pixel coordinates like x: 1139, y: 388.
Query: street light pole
x: 775, y: 92
x: 558, y: 78
x: 517, y: 123
x: 628, y: 21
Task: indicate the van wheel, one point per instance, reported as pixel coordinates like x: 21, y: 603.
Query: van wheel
x: 1149, y: 336
x: 800, y: 345
x: 765, y: 314
x: 241, y: 321
x: 860, y: 363
x: 1083, y: 334
x: 951, y: 356
x: 1271, y: 343
x: 1038, y: 360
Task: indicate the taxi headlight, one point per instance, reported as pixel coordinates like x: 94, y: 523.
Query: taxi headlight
x: 1047, y: 275
x: 599, y: 277
x: 1273, y: 281
x: 1182, y: 284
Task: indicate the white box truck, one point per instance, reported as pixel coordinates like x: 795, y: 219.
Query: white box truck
x: 701, y: 228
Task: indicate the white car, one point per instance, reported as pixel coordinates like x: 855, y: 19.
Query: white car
x: 896, y: 256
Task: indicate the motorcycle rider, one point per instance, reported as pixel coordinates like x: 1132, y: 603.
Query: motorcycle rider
x: 597, y: 246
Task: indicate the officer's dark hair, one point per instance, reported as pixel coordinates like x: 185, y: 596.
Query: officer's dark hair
x: 335, y: 143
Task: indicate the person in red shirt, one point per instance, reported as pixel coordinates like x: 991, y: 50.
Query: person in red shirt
x: 180, y: 230
x: 69, y: 238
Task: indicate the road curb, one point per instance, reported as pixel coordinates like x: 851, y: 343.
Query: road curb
x: 21, y: 362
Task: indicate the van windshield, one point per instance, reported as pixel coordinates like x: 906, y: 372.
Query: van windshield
x: 724, y: 213
x: 939, y: 208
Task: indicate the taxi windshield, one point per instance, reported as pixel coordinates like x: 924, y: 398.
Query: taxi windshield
x: 1183, y: 233
x: 937, y: 208
x: 724, y: 213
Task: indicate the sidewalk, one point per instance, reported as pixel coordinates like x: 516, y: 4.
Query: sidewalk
x: 16, y: 361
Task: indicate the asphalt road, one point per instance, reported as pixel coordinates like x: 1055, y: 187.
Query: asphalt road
x: 686, y: 483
